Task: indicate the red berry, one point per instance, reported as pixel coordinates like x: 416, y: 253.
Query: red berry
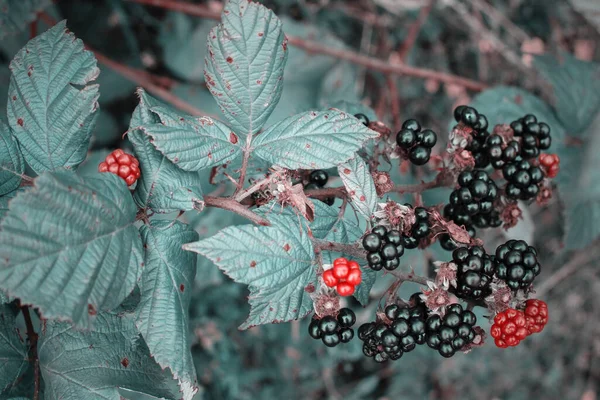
x: 353, y: 265
x: 340, y: 261
x: 122, y: 164
x: 509, y: 328
x: 345, y: 289
x: 329, y: 279
x: 551, y: 164
x: 354, y: 277
x: 536, y: 315
x: 340, y: 271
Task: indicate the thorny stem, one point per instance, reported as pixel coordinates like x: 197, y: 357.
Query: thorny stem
x: 33, y: 356
x: 317, y: 48
x: 234, y: 206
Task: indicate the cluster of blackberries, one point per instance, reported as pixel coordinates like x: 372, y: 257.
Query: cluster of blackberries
x: 498, y: 155
x: 474, y: 196
x: 470, y: 117
x: 317, y: 180
x: 405, y: 330
x: 452, y: 332
x: 474, y: 272
x: 523, y: 178
x: 535, y: 136
x: 385, y: 247
x: 415, y: 142
x: 517, y: 264
x: 333, y: 331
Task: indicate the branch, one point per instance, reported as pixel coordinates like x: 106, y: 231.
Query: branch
x: 317, y: 48
x: 410, y: 277
x: 414, y: 29
x: 233, y: 206
x: 33, y: 356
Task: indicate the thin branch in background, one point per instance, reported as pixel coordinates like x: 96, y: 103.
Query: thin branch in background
x: 500, y: 19
x: 414, y: 30
x: 33, y: 355
x: 317, y: 48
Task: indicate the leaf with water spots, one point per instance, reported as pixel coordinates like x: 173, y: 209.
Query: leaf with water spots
x: 166, y: 286
x: 275, y: 262
x: 312, y: 140
x: 51, y: 103
x: 68, y: 245
x: 244, y: 66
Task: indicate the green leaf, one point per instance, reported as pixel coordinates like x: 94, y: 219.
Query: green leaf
x: 276, y: 262
x: 163, y: 186
x: 52, y: 105
x: 13, y: 351
x: 94, y: 364
x: 4, y: 202
x: 576, y: 86
x: 167, y: 282
x: 246, y: 57
x: 364, y: 289
x: 191, y: 143
x: 312, y: 140
x: 12, y: 165
x: 69, y: 246
x: 16, y: 15
x: 359, y: 184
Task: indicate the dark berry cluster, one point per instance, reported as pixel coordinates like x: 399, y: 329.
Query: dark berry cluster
x: 535, y: 136
x: 498, y: 154
x: 452, y: 332
x: 333, y: 331
x: 474, y: 272
x: 406, y: 329
x: 317, y: 180
x: 475, y: 196
x: 478, y: 123
x: 517, y: 264
x: 385, y: 247
x: 415, y: 142
x: 523, y: 178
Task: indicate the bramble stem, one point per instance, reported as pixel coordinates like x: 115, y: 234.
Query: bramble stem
x: 231, y: 205
x: 33, y: 355
x: 309, y: 46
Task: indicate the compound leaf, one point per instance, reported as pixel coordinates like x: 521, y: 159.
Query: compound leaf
x: 276, y: 262
x: 13, y: 351
x: 191, y: 143
x: 12, y: 165
x: 163, y: 312
x: 163, y: 186
x: 69, y: 247
x: 312, y: 140
x: 244, y: 66
x: 95, y: 364
x: 52, y: 105
x: 359, y: 185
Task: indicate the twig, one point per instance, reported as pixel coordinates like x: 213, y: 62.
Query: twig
x: 233, y: 206
x: 246, y: 157
x: 410, y: 277
x: 317, y: 48
x: 33, y: 355
x: 414, y: 29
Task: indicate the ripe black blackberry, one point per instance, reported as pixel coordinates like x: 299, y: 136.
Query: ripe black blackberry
x: 498, y: 154
x: 535, y: 136
x: 478, y: 123
x: 333, y: 331
x: 474, y: 196
x: 474, y: 272
x: 452, y: 332
x: 415, y: 142
x: 523, y: 178
x: 517, y: 264
x: 405, y: 331
x: 317, y: 180
x: 384, y: 248
x: 419, y: 230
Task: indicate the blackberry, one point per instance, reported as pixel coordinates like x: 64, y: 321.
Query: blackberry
x: 498, y: 154
x: 523, y: 178
x: 491, y: 220
x: 419, y: 230
x: 517, y: 264
x: 535, y: 135
x: 362, y: 118
x: 384, y: 248
x: 333, y: 331
x: 474, y: 272
x: 317, y: 180
x: 474, y: 196
x: 452, y: 332
x: 405, y: 331
x: 415, y: 142
x: 478, y: 123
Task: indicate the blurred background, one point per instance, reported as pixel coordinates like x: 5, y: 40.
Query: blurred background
x: 517, y: 56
